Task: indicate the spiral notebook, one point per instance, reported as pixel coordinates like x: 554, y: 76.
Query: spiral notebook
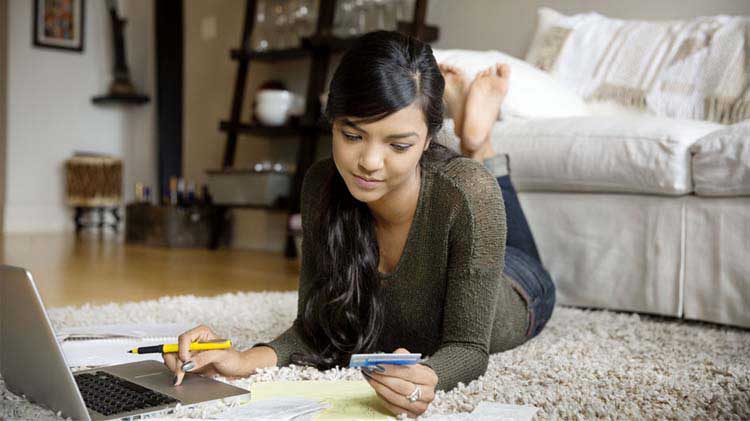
x: 103, y: 345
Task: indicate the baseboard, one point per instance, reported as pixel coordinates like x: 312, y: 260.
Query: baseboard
x: 37, y: 218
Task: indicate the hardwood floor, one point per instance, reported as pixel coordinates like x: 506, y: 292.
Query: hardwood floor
x: 73, y: 271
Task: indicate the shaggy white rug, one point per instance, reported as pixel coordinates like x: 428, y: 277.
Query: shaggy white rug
x: 584, y: 365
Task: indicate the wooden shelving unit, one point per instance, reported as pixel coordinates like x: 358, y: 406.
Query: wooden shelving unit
x: 261, y: 130
x: 319, y: 48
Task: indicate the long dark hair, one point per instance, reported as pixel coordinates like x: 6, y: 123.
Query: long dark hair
x: 383, y: 72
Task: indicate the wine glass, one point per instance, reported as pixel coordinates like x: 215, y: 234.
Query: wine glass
x: 362, y: 19
x: 304, y: 14
x: 400, y: 10
x: 259, y: 39
x: 379, y: 15
x: 280, y: 17
x: 345, y: 21
x: 390, y: 19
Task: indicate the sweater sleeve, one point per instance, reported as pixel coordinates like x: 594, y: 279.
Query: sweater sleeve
x: 293, y: 339
x: 474, y: 277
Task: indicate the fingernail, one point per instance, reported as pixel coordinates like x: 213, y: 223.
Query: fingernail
x: 365, y: 373
x: 380, y: 368
x: 174, y: 380
x: 369, y: 369
x: 188, y: 366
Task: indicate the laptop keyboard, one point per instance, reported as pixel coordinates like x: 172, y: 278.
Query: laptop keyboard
x: 108, y: 394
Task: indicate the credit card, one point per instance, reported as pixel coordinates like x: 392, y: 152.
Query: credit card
x: 369, y: 360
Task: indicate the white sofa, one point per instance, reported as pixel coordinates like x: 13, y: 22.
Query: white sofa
x: 619, y: 224
x: 612, y: 204
x: 630, y: 210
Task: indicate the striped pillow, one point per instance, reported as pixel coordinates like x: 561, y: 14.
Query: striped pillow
x: 685, y: 69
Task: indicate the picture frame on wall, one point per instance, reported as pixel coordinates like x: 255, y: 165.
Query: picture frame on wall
x: 59, y: 24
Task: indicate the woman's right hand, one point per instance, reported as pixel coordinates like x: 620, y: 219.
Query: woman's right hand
x: 226, y: 362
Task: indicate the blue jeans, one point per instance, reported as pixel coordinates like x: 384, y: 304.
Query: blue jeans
x: 523, y: 265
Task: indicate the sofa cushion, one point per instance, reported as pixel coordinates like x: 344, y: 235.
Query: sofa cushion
x: 635, y: 154
x: 532, y: 93
x: 721, y: 162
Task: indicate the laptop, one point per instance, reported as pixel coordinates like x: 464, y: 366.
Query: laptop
x: 32, y: 364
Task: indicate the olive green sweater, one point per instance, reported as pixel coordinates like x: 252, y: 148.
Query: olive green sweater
x: 447, y: 298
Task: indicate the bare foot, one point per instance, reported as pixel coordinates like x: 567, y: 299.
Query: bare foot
x: 454, y: 95
x: 486, y: 95
x: 486, y: 150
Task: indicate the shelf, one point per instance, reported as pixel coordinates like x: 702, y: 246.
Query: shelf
x: 134, y: 99
x: 272, y: 55
x: 282, y: 206
x: 336, y: 44
x: 431, y: 32
x: 270, y: 131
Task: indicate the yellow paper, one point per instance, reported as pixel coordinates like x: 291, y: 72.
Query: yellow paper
x: 349, y: 400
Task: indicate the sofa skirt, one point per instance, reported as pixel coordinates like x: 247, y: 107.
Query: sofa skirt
x: 681, y: 256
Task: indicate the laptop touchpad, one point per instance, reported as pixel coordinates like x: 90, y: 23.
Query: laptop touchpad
x: 194, y: 388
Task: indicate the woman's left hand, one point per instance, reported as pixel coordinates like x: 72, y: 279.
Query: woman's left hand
x: 399, y: 381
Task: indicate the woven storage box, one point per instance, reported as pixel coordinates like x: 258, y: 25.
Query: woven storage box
x: 93, y: 180
x: 168, y: 226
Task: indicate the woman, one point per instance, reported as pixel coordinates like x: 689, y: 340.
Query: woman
x: 404, y: 245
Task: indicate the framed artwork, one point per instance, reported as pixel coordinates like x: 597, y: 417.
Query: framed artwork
x: 59, y: 24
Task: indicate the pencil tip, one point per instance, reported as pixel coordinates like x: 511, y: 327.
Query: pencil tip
x: 130, y: 352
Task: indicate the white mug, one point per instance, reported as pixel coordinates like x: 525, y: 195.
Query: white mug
x: 274, y: 106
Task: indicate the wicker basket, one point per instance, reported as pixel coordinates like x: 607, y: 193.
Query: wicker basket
x: 93, y: 181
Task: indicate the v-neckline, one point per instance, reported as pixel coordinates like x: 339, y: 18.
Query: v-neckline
x: 410, y: 236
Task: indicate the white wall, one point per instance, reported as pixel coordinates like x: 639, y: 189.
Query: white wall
x: 50, y: 114
x: 509, y: 25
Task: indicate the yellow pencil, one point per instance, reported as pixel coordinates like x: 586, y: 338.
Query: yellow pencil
x: 195, y: 346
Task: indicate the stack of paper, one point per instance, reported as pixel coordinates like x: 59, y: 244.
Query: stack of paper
x: 347, y: 400
x: 356, y: 400
x: 94, y: 346
x: 273, y: 409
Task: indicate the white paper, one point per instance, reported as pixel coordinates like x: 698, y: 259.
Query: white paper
x: 103, y: 345
x: 272, y: 409
x: 505, y: 412
x: 307, y: 417
x: 123, y: 331
x: 490, y: 411
x: 461, y: 417
x: 104, y: 352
